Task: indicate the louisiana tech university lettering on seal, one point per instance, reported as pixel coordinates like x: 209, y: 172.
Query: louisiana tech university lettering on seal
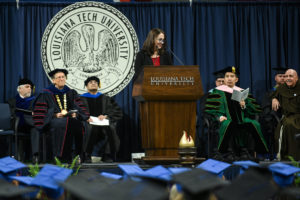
x: 91, y: 39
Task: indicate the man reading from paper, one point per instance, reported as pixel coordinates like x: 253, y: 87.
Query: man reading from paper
x: 239, y: 135
x: 102, y: 139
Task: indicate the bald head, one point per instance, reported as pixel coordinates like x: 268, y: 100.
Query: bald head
x: 291, y: 77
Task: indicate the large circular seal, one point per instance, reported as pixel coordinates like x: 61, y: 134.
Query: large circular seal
x: 91, y: 39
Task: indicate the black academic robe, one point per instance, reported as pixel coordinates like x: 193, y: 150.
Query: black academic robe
x: 102, y: 105
x: 21, y: 107
x: 62, y: 130
x: 144, y: 59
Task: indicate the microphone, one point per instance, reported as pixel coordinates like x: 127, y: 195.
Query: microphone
x: 175, y: 56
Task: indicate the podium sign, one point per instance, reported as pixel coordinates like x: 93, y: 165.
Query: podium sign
x: 167, y: 96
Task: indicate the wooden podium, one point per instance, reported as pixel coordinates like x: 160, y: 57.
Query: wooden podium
x: 167, y: 96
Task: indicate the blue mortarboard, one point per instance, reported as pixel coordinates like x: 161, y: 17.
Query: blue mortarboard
x: 178, y: 170
x: 9, y: 165
x: 158, y: 172
x: 26, y: 180
x: 214, y: 166
x: 50, y: 177
x: 244, y: 165
x: 283, y: 174
x: 111, y: 175
x: 131, y: 169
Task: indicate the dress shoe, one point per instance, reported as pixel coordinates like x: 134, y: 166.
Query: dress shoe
x: 87, y: 158
x: 245, y: 155
x: 107, y: 159
x: 230, y: 157
x: 218, y: 156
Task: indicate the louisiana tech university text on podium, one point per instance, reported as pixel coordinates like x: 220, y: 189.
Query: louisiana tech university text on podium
x: 167, y: 96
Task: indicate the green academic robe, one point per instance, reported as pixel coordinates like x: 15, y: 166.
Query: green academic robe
x: 217, y: 104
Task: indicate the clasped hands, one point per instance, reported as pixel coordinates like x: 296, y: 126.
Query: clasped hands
x: 60, y: 115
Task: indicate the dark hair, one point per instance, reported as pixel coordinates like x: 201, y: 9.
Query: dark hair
x: 148, y: 45
x: 86, y: 82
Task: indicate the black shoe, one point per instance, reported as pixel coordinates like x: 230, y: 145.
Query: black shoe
x: 230, y: 157
x: 107, y: 159
x: 87, y: 158
x: 245, y: 155
x: 218, y: 156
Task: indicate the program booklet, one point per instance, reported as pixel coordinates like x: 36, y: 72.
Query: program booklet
x: 98, y: 122
x: 240, y: 95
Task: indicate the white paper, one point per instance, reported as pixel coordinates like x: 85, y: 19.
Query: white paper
x: 240, y: 95
x: 96, y: 121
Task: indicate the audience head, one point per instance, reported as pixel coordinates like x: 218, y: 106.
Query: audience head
x: 59, y: 77
x: 280, y: 75
x: 219, y: 78
x: 92, y: 84
x: 291, y: 77
x: 155, y: 41
x: 231, y: 76
x: 25, y: 87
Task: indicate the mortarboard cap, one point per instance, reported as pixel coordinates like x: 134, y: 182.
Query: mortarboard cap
x: 231, y: 69
x: 255, y: 183
x: 131, y: 169
x: 158, y: 172
x: 87, y: 184
x: 129, y: 189
x: 178, y: 170
x: 111, y: 175
x: 92, y: 78
x: 49, y: 178
x: 197, y: 181
x: 214, y: 166
x: 244, y: 165
x: 283, y: 174
x: 9, y: 165
x: 219, y: 74
x: 26, y: 180
x: 279, y: 70
x: 9, y: 190
x: 53, y: 72
x: 26, y: 81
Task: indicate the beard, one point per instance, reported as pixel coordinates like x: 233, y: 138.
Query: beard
x: 27, y: 94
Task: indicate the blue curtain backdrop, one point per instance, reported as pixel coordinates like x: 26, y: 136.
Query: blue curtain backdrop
x: 252, y: 36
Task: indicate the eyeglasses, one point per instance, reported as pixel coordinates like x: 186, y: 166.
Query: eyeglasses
x: 160, y: 40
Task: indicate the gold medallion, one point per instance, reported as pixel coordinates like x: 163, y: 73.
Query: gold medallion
x: 64, y: 112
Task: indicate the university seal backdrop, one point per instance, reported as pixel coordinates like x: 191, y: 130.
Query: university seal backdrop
x: 91, y: 39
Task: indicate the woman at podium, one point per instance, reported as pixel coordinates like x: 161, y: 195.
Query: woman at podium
x: 153, y: 51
